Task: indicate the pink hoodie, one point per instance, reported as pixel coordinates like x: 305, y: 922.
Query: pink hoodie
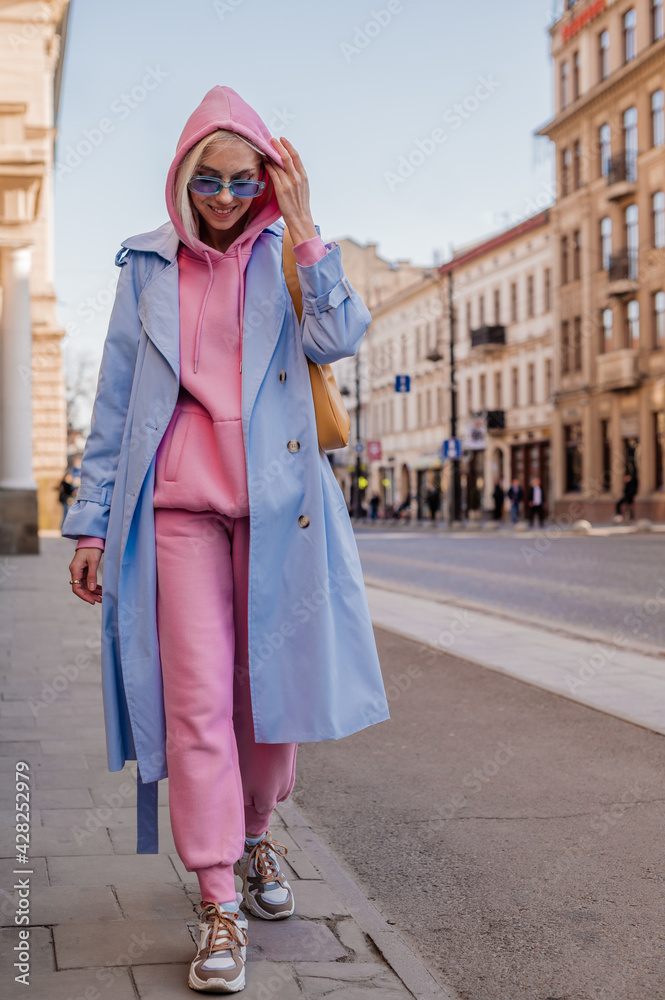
x: 200, y: 462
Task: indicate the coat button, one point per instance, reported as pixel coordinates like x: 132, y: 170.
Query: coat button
x: 303, y: 520
x: 282, y: 376
x: 293, y: 445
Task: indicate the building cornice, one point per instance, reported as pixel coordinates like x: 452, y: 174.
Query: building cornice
x: 501, y: 239
x: 633, y: 72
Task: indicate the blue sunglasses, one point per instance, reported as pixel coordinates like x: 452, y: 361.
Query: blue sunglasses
x: 240, y: 187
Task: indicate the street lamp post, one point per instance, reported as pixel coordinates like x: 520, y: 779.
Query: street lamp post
x: 358, y: 506
x: 435, y: 355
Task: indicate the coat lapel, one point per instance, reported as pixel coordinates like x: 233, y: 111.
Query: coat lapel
x: 264, y: 310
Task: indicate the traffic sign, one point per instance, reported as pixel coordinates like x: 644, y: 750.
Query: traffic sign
x: 402, y: 383
x: 452, y: 448
x: 359, y: 446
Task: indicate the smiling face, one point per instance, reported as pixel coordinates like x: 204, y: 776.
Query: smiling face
x: 223, y: 216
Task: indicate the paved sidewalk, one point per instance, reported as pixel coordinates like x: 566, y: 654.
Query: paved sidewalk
x: 104, y: 922
x: 613, y: 675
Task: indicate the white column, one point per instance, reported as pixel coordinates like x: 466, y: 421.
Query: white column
x: 16, y: 372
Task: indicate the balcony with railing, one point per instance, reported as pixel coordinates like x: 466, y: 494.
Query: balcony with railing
x: 622, y: 174
x: 623, y: 272
x: 618, y: 369
x: 488, y: 336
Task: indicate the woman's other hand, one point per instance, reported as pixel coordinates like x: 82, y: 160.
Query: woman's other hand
x: 292, y: 191
x: 83, y: 567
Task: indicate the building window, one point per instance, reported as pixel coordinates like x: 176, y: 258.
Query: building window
x: 418, y: 344
x: 419, y: 410
x: 577, y: 164
x: 404, y: 346
x: 497, y: 306
x: 469, y: 395
x: 481, y: 310
x: 577, y: 255
x: 564, y: 82
x: 608, y: 331
x: 605, y: 242
x: 633, y: 319
x: 573, y: 446
x: 439, y: 404
x: 576, y: 75
x: 577, y: 344
x: 605, y: 148
x: 548, y: 378
x: 603, y: 55
x: 531, y: 383
x: 566, y: 164
x: 515, y: 375
x: 564, y: 260
x: 405, y: 413
x: 513, y: 302
x: 657, y: 118
x: 469, y: 321
x: 483, y: 392
x: 658, y: 219
x: 632, y: 240
x: 657, y: 21
x: 565, y: 346
x: 630, y: 142
x: 547, y: 290
x: 629, y: 41
x: 659, y: 441
x: 606, y: 443
x: 659, y: 320
x: 428, y: 407
x: 530, y: 303
x: 498, y: 391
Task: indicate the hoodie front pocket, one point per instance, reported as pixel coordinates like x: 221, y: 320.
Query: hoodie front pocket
x: 176, y: 447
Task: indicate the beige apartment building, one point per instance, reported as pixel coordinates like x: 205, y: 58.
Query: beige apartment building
x: 376, y: 280
x: 503, y: 346
x: 608, y: 226
x: 33, y: 432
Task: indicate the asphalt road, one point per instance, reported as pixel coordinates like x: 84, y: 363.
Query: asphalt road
x: 598, y: 584
x: 514, y: 838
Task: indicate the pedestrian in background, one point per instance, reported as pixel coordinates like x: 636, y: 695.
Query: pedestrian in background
x: 208, y: 643
x: 66, y: 491
x: 374, y: 507
x: 515, y: 495
x: 498, y: 497
x: 628, y: 497
x: 535, y: 502
x: 434, y: 501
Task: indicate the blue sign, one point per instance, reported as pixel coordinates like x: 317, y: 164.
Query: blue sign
x: 359, y: 446
x: 402, y: 383
x: 452, y: 448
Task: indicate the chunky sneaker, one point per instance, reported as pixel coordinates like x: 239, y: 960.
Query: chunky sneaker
x: 265, y: 889
x: 219, y: 966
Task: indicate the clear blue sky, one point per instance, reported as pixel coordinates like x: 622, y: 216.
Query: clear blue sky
x: 358, y: 105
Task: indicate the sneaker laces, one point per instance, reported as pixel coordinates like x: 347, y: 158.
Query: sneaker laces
x: 225, y: 933
x: 265, y: 866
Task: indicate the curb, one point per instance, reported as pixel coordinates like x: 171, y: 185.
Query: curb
x: 398, y: 955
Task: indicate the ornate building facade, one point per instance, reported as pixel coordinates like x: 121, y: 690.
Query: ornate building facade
x: 33, y: 433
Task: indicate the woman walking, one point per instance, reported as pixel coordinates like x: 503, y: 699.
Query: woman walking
x: 234, y: 621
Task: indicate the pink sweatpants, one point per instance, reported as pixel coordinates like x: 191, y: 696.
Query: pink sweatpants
x: 223, y: 785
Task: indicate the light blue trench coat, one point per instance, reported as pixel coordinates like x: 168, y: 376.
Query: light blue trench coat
x: 313, y: 665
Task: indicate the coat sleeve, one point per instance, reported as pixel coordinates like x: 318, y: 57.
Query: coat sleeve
x: 89, y: 513
x: 334, y: 318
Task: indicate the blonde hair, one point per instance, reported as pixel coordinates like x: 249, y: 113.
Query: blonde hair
x: 188, y: 167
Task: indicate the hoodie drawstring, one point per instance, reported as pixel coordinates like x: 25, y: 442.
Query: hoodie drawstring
x: 197, y: 341
x: 241, y: 296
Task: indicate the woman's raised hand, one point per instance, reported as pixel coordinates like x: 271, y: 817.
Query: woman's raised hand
x: 83, y: 567
x: 292, y: 190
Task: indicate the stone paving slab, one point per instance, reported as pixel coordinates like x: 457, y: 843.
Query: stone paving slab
x: 40, y: 950
x: 54, y: 904
x: 100, y: 984
x: 153, y: 901
x: 349, y: 982
x: 122, y: 942
x: 138, y: 868
x: 292, y: 940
